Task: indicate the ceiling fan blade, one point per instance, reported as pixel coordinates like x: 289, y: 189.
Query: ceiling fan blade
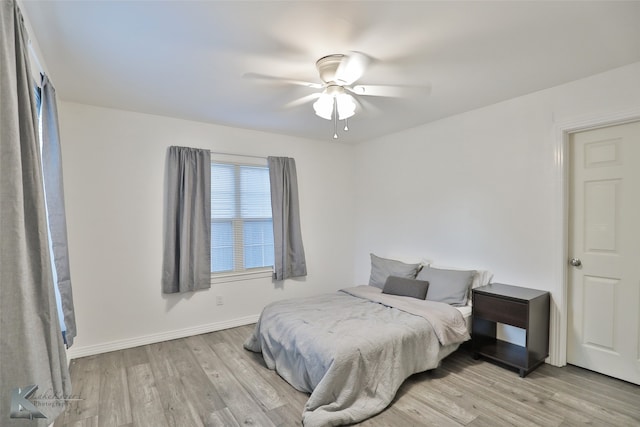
x: 391, y: 91
x: 352, y: 67
x: 368, y: 106
x: 282, y: 80
x: 303, y: 100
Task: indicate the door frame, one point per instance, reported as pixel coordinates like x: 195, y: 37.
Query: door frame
x: 562, y: 133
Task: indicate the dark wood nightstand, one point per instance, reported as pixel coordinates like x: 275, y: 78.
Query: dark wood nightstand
x: 512, y: 305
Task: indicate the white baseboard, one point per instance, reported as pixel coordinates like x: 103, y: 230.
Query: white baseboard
x: 75, y: 352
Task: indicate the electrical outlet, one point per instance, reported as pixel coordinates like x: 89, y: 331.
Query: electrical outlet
x: 219, y: 300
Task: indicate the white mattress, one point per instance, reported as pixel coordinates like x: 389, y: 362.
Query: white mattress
x: 466, y: 313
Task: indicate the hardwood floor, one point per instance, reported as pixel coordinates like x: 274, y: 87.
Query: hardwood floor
x: 210, y: 380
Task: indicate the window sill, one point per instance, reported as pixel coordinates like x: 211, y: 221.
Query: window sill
x: 241, y: 276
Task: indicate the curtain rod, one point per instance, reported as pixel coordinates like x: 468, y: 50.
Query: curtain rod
x: 236, y: 154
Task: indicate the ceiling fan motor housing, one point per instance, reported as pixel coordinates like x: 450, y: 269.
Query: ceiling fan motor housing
x: 328, y: 66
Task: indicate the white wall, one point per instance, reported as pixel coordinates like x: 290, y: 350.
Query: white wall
x: 480, y: 189
x: 113, y: 174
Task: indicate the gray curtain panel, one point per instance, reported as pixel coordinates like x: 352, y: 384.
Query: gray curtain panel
x: 187, y: 233
x: 54, y: 195
x: 31, y: 347
x: 289, y: 251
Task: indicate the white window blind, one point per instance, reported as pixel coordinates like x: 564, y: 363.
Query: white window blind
x: 38, y: 91
x: 241, y: 223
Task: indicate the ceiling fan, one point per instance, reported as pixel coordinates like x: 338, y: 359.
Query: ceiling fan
x: 339, y: 73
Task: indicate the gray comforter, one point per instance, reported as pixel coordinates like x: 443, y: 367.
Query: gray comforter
x: 354, y: 348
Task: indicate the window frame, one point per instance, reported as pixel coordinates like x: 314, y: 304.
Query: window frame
x: 245, y: 274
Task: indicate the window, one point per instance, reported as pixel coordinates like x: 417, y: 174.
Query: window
x: 241, y: 223
x: 38, y: 92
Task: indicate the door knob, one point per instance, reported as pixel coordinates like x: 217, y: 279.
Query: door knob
x: 575, y: 262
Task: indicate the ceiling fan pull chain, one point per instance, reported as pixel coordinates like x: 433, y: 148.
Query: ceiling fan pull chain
x: 346, y: 124
x: 335, y: 119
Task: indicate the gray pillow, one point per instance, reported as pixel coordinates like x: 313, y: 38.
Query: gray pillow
x: 405, y: 287
x: 381, y: 268
x: 448, y: 286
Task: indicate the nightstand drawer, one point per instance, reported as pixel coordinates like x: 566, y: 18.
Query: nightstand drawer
x: 500, y: 310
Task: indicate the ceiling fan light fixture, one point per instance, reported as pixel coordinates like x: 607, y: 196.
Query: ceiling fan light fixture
x: 346, y: 106
x: 339, y: 72
x: 335, y: 97
x: 324, y: 106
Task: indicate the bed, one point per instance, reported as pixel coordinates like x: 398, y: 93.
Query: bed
x: 352, y: 349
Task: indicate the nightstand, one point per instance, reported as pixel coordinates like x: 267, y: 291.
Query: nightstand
x: 512, y: 305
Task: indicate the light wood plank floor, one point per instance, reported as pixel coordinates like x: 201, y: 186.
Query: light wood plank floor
x: 210, y: 380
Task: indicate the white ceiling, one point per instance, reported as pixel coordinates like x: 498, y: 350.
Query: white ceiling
x: 187, y: 59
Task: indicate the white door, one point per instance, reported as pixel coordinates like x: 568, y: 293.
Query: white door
x: 604, y: 251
